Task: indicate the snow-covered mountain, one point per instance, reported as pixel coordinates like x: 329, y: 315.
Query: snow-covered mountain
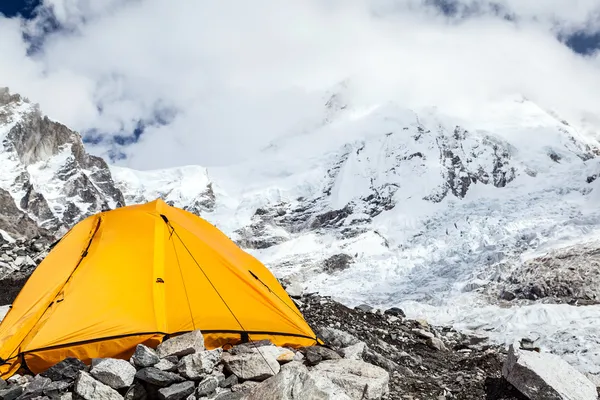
x: 375, y: 203
x: 46, y: 170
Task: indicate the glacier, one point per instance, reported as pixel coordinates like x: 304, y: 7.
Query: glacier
x: 434, y: 211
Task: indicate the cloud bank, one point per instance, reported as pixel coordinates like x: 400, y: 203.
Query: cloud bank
x: 212, y: 82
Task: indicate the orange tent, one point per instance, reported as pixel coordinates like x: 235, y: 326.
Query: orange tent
x: 135, y: 275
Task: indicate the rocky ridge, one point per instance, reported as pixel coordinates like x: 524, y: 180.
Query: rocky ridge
x: 47, y: 172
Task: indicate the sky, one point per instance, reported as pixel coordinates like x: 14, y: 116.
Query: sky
x: 153, y: 84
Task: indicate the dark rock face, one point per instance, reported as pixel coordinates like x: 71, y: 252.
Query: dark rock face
x: 14, y: 221
x: 338, y: 262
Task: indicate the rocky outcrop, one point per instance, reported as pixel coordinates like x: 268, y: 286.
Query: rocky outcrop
x: 568, y: 275
x: 13, y: 220
x: 48, y: 173
x: 541, y: 376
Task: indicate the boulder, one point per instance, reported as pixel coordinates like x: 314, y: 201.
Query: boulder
x: 396, y: 312
x: 207, y: 386
x: 316, y: 354
x: 354, y: 352
x: 337, y: 338
x: 117, y: 374
x: 358, y: 379
x: 181, y: 345
x: 177, y: 391
x: 294, y: 382
x: 546, y: 376
x: 251, y: 366
x: 436, y: 344
x: 157, y: 377
x: 66, y: 370
x: 196, y: 366
x: 90, y: 389
x: 144, y: 356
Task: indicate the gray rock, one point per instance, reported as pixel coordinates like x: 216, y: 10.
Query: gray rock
x: 358, y: 379
x: 90, y: 389
x: 229, y: 381
x: 182, y: 345
x: 437, y: 344
x: 177, y: 391
x: 364, y: 307
x: 56, y: 387
x: 354, y: 352
x: 229, y: 396
x: 337, y: 338
x: 157, y: 377
x: 117, y: 374
x: 245, y: 386
x: 35, y: 388
x: 65, y: 396
x: 3, y: 384
x: 207, y: 386
x: 195, y: 366
x: 144, y: 356
x: 11, y: 392
x: 66, y: 370
x: 251, y: 366
x: 136, y: 392
x: 423, y: 333
x: 166, y: 365
x: 294, y: 382
x: 396, y: 312
x: 546, y: 376
x: 316, y: 354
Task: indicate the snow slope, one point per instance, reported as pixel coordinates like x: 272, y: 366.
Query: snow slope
x: 431, y: 209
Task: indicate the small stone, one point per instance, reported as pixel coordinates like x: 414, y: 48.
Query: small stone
x: 177, y: 391
x: 423, y: 333
x: 144, y: 356
x: 66, y: 370
x: 195, y: 366
x: 117, y: 374
x: 436, y: 343
x: 364, y: 308
x: 396, y: 312
x: 251, y: 366
x: 229, y: 381
x: 207, y: 386
x: 316, y: 354
x: 157, y: 377
x: 244, y: 386
x: 90, y: 389
x: 182, y: 345
x: 136, y: 392
x: 166, y: 365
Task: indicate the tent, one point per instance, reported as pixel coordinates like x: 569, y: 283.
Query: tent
x: 139, y: 274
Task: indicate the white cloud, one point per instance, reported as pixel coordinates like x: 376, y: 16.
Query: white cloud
x: 239, y: 73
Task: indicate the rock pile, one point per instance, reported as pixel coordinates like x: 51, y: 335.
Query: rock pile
x: 181, y: 368
x: 18, y: 259
x: 427, y: 362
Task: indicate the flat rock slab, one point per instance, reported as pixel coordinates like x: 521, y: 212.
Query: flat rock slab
x: 177, y: 391
x: 182, y: 345
x: 358, y: 379
x: 544, y: 376
x: 117, y: 374
x: 90, y: 389
x: 251, y: 366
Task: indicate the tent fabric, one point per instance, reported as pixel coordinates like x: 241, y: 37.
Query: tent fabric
x: 139, y: 274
